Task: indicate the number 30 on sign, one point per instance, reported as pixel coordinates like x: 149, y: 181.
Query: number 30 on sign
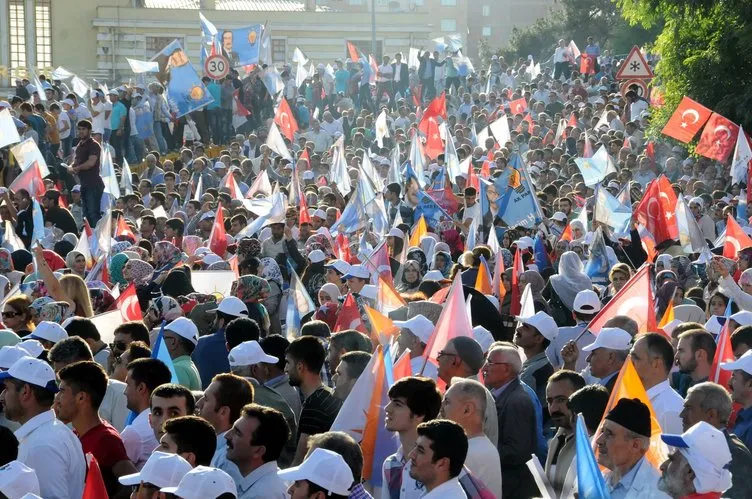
x: 216, y: 67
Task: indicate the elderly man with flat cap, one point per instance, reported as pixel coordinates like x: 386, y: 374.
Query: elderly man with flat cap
x: 623, y: 442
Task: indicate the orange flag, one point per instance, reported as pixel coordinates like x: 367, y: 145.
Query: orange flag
x: 420, y: 230
x: 387, y: 298
x: 736, y: 239
x: 381, y: 324
x: 631, y: 301
x: 499, y: 291
x: 628, y: 385
x: 483, y: 280
x: 567, y: 234
x: 668, y: 317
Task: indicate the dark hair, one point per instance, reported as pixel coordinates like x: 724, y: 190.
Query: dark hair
x: 314, y: 488
x: 137, y: 330
x: 171, y: 390
x: 319, y: 329
x: 344, y: 445
x: 88, y: 377
x: 576, y: 381
x: 356, y: 363
x: 69, y: 350
x: 176, y: 224
x: 448, y: 440
x: 659, y: 346
x: 700, y: 340
x: 309, y: 350
x: 742, y: 336
x: 421, y: 395
x: 151, y: 372
x: 84, y: 124
x: 193, y: 434
x: 590, y: 401
x: 350, y: 340
x: 84, y: 328
x: 234, y: 392
x: 239, y: 330
x: 272, y: 431
x: 138, y: 350
x: 276, y: 346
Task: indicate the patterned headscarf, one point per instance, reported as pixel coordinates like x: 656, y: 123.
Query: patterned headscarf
x: 271, y: 271
x: 223, y: 265
x: 319, y: 242
x: 120, y: 246
x: 6, y: 262
x: 116, y: 269
x: 34, y: 289
x: 140, y: 272
x: 448, y: 264
x: 56, y: 311
x: 250, y: 289
x: 507, y: 257
x: 190, y: 243
x: 166, y: 255
x: 248, y: 247
x: 70, y: 258
x: 101, y: 299
x: 166, y: 307
x: 37, y: 304
x: 417, y: 254
x: 143, y: 253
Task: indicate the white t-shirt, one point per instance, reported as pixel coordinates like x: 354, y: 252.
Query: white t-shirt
x: 62, y: 121
x: 483, y: 461
x: 97, y: 122
x: 107, y: 111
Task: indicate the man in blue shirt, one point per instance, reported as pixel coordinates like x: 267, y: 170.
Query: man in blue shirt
x: 593, y: 50
x: 210, y: 354
x: 213, y: 108
x: 741, y: 392
x: 341, y: 78
x: 117, y: 125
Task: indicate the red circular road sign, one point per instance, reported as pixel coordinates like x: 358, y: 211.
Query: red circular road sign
x: 217, y: 67
x: 642, y: 87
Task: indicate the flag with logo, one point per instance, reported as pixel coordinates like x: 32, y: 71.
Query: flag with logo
x: 299, y: 304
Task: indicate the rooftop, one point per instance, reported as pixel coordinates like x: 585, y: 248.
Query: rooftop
x: 237, y: 5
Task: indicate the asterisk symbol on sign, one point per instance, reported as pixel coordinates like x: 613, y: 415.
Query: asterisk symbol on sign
x: 634, y: 66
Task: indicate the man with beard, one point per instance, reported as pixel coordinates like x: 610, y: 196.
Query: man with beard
x: 561, y: 448
x: 694, y: 355
x: 86, y: 166
x: 303, y: 362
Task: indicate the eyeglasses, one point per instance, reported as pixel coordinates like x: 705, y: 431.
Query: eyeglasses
x: 118, y: 345
x: 495, y: 363
x: 10, y: 315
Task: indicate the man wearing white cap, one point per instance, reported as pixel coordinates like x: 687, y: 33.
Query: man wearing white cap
x: 533, y: 335
x: 44, y: 443
x: 203, y: 482
x: 607, y: 354
x: 318, y: 219
x: 357, y: 276
x: 161, y: 470
x: 181, y: 337
x: 48, y: 333
x: 586, y: 306
x: 415, y: 334
x: 698, y: 466
x: 323, y: 471
x: 741, y: 392
x: 17, y: 481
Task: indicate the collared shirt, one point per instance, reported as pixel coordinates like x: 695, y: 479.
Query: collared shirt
x: 219, y: 460
x: 743, y: 426
x: 620, y: 489
x: 359, y: 492
x: 139, y: 440
x: 322, y: 140
x: 396, y: 471
x: 48, y: 446
x: 113, y: 408
x: 430, y: 371
x: 484, y: 462
x: 263, y: 482
x: 187, y: 373
x: 667, y: 405
x: 604, y: 381
x: 498, y: 391
x: 450, y: 489
x: 210, y: 356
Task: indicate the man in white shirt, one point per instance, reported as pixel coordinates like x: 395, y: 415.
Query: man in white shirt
x: 44, y: 443
x: 384, y: 77
x: 653, y: 358
x: 144, y: 376
x: 438, y: 457
x: 562, y: 59
x: 465, y: 404
x: 97, y: 115
x: 331, y: 126
x: 321, y: 139
x: 415, y: 333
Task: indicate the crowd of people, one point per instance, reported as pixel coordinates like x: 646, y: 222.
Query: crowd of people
x: 251, y: 397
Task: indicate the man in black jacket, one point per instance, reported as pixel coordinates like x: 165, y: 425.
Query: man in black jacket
x: 401, y: 76
x: 57, y: 216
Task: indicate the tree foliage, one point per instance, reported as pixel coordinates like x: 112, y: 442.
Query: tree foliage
x: 704, y: 53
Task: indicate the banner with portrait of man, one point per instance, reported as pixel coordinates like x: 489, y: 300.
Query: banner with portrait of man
x: 185, y: 91
x: 241, y: 46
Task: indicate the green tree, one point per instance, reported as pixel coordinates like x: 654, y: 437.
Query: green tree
x: 704, y: 53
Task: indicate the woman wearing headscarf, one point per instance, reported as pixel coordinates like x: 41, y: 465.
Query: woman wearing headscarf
x: 117, y: 263
x: 563, y: 288
x: 454, y: 240
x: 412, y: 274
x: 618, y: 277
x: 663, y: 297
x: 537, y: 285
x: 101, y: 299
x: 7, y: 269
x: 248, y: 247
x: 69, y: 288
x: 56, y: 311
x: 252, y: 290
x: 442, y: 261
x: 329, y: 303
x: 417, y: 254
x: 21, y: 258
x: 162, y: 308
x: 273, y: 275
x: 177, y: 282
x: 35, y: 307
x: 166, y: 256
x: 138, y: 272
x: 561, y: 247
x: 686, y: 274
x: 76, y: 262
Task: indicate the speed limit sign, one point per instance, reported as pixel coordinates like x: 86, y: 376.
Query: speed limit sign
x: 217, y: 67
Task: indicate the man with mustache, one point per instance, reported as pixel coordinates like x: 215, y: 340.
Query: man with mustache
x: 561, y: 448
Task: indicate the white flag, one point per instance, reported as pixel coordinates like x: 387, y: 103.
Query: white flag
x: 382, y: 128
x: 451, y: 159
x: 139, y: 67
x: 62, y: 74
x: 126, y: 180
x: 298, y: 57
x: 108, y: 175
x: 412, y: 58
x: 603, y: 121
x: 8, y: 131
x: 742, y: 157
x: 500, y: 130
x: 276, y: 143
x: 80, y: 87
x: 260, y: 186
x: 27, y: 153
x: 340, y: 177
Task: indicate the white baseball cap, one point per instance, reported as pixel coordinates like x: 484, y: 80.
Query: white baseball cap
x: 743, y: 363
x: 249, y: 353
x: 49, y: 331
x: 316, y: 256
x: 559, y: 216
x: 484, y: 337
x: 211, y: 258
x: 543, y: 323
x: 17, y: 480
x: 357, y: 271
x: 612, y: 338
x: 185, y: 328
x: 203, y: 482
x: 320, y: 214
x: 325, y: 468
x: 743, y: 317
x: 419, y: 325
x: 340, y: 266
x: 433, y: 275
x: 33, y: 347
x: 587, y: 302
x: 395, y: 232
x: 232, y: 305
x: 524, y: 242
x: 369, y: 291
x: 161, y: 470
x: 33, y: 371
x: 9, y: 355
x: 707, y: 452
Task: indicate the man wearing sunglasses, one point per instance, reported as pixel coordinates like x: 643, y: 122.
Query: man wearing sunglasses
x: 124, y: 335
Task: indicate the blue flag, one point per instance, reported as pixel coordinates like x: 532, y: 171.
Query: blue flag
x: 431, y: 210
x: 610, y: 211
x: 38, y: 220
x: 160, y: 352
x: 590, y: 481
x: 542, y: 260
x: 597, y: 265
x: 593, y: 170
x: 185, y: 92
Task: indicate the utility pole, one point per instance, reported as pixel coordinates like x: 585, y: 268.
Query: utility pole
x: 373, y: 29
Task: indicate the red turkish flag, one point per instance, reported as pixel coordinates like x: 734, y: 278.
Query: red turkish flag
x: 436, y: 108
x: 718, y: 139
x: 587, y: 64
x: 517, y: 270
x: 630, y: 301
x: 687, y: 120
x: 572, y: 121
x: 518, y: 106
x: 31, y: 180
x: 94, y: 485
x: 736, y: 239
x: 285, y: 120
x: 128, y: 305
x: 656, y: 210
x: 723, y: 353
x: 218, y: 236
x: 650, y: 152
x: 434, y: 145
x: 348, y: 316
x: 353, y: 52
x: 122, y: 229
x: 303, y: 217
x: 472, y: 178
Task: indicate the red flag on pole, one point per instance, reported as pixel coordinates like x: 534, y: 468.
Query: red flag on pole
x: 656, y: 210
x: 122, y: 229
x: 218, y: 237
x: 518, y: 106
x: 736, y: 239
x: 630, y: 301
x: 723, y: 353
x: 353, y: 52
x: 436, y: 108
x: 94, y: 486
x: 687, y: 120
x: 285, y: 120
x: 718, y: 139
x: 517, y: 270
x: 128, y: 304
x: 348, y: 316
x: 434, y: 145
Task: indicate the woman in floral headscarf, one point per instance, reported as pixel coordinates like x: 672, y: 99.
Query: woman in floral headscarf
x: 417, y: 254
x: 273, y: 275
x: 166, y: 256
x: 248, y: 247
x: 101, y: 299
x: 35, y: 307
x: 56, y: 311
x: 117, y: 263
x: 7, y: 269
x: 162, y: 308
x: 442, y: 261
x: 252, y: 290
x: 138, y: 272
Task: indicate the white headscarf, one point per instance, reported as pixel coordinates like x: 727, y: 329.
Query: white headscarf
x: 570, y: 280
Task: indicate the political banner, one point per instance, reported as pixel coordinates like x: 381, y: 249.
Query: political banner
x: 241, y: 46
x: 433, y: 213
x: 185, y: 92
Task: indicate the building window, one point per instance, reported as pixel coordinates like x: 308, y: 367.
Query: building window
x: 17, y: 35
x: 486, y: 10
x: 486, y: 31
x: 449, y: 3
x: 44, y: 33
x: 279, y: 50
x: 448, y: 25
x: 155, y: 44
